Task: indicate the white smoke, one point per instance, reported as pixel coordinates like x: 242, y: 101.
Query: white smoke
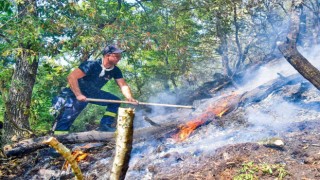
x: 312, y: 54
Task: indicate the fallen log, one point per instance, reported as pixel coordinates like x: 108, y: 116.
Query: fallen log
x: 30, y: 145
x: 227, y: 104
x: 261, y: 92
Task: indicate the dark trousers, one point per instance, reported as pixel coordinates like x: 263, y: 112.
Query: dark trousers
x: 68, y: 108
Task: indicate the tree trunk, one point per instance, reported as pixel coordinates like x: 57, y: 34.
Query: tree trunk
x: 290, y: 52
x: 240, y: 61
x: 223, y: 48
x: 17, y: 105
x: 124, y: 141
x: 19, y: 98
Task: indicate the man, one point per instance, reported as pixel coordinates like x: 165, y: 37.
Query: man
x: 87, y: 81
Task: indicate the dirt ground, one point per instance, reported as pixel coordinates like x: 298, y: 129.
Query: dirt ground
x: 299, y: 158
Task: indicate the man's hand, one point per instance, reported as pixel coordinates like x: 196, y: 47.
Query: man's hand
x: 81, y: 98
x: 134, y: 101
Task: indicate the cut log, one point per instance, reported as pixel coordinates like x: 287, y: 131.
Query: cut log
x: 66, y: 153
x: 123, y: 143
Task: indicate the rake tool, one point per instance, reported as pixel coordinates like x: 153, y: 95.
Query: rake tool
x: 140, y: 103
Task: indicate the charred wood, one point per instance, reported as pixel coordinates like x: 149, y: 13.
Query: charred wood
x: 261, y: 92
x: 150, y: 121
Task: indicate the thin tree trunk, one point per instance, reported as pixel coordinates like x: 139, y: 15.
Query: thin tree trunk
x: 223, y: 49
x: 290, y: 52
x: 123, y: 144
x: 239, y: 63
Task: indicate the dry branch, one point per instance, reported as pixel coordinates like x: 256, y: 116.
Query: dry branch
x: 291, y: 53
x: 66, y: 153
x: 123, y: 143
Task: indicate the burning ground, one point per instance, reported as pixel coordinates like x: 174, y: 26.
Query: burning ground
x: 268, y: 128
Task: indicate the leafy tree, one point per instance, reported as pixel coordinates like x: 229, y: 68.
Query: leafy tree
x: 34, y: 30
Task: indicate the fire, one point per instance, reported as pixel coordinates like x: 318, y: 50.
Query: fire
x: 78, y: 155
x: 220, y: 110
x: 187, y: 129
x: 221, y: 107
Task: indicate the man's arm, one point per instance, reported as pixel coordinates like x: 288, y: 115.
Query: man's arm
x: 73, y: 82
x: 125, y: 89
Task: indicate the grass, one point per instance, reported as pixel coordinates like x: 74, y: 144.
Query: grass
x: 251, y: 171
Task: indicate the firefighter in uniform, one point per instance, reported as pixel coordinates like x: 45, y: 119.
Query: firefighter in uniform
x: 86, y: 82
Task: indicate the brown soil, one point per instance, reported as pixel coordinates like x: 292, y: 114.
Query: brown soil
x: 299, y: 159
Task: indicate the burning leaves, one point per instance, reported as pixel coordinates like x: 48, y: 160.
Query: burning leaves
x: 216, y: 110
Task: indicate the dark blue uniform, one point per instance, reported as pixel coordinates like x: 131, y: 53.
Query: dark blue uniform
x: 90, y: 86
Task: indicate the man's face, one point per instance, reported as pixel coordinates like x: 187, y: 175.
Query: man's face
x: 114, y: 58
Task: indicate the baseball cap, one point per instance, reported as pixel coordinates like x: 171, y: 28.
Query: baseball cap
x: 111, y: 49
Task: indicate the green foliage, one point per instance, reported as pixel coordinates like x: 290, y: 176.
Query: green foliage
x: 5, y: 8
x: 90, y: 116
x: 51, y: 78
x: 250, y: 171
x: 6, y: 71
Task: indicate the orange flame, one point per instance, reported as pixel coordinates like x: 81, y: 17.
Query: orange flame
x: 77, y: 155
x: 217, y: 111
x: 187, y: 129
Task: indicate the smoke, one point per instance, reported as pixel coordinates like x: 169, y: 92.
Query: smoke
x: 272, y: 115
x: 312, y: 54
x: 155, y: 111
x: 278, y: 67
x: 267, y: 73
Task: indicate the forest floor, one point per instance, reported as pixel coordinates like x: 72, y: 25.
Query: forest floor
x: 239, y: 145
x: 299, y: 158
x: 237, y: 149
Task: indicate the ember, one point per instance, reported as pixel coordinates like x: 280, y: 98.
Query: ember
x: 218, y: 110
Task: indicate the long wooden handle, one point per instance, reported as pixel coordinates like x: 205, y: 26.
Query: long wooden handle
x: 140, y: 103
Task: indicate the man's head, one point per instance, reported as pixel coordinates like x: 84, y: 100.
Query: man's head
x: 112, y: 55
x: 111, y: 49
